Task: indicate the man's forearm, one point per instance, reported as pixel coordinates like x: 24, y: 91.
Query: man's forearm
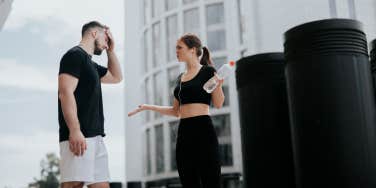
x: 69, y: 108
x: 114, y: 65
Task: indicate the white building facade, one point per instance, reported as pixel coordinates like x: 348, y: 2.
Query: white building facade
x: 231, y: 29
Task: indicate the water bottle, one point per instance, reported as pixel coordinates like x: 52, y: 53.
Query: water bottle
x: 222, y: 73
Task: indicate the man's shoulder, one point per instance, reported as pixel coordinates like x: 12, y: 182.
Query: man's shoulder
x: 73, y: 53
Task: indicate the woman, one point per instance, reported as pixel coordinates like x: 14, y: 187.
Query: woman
x: 197, y: 153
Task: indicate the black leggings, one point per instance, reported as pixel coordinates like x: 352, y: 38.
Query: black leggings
x: 197, y: 153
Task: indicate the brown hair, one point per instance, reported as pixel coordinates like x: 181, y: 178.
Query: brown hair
x: 192, y: 41
x: 92, y: 24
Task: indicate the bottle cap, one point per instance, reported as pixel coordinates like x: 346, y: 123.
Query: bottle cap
x: 231, y: 63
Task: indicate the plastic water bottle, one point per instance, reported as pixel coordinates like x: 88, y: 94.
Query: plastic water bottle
x: 222, y: 73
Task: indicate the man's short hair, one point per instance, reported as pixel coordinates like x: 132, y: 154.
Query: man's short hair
x: 90, y: 25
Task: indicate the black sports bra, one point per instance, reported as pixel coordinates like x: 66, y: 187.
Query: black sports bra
x: 192, y: 91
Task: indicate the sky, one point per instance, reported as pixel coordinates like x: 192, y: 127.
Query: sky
x: 35, y: 36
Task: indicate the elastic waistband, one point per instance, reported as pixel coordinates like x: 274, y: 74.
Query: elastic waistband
x: 195, y: 119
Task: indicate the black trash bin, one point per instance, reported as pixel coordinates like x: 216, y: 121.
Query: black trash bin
x: 265, y: 130
x: 332, y: 109
x: 373, y: 64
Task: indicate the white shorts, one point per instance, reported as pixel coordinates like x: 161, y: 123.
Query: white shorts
x: 90, y: 168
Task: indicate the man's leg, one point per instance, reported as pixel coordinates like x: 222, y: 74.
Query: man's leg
x: 72, y: 185
x: 101, y: 171
x: 75, y: 170
x: 100, y: 185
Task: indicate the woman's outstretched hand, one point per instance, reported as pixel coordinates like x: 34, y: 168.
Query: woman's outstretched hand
x: 140, y: 108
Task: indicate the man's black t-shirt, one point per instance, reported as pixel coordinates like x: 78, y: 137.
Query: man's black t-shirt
x: 88, y: 94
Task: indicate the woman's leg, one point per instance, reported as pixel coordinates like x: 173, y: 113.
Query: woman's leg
x: 210, y: 165
x: 187, y: 169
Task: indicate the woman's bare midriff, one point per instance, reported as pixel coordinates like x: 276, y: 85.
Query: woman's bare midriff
x: 193, y: 109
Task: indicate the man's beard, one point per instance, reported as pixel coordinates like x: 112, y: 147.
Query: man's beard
x: 97, y: 50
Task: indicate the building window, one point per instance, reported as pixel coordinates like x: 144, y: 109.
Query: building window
x: 333, y: 8
x: 156, y: 39
x: 145, y: 55
x: 171, y: 36
x: 192, y: 21
x: 173, y: 74
x: 148, y: 156
x: 222, y: 127
x: 159, y: 148
x: 188, y: 1
x: 225, y: 152
x: 218, y: 62
x: 214, y: 14
x: 171, y: 4
x: 146, y: 11
x: 216, y: 39
x: 158, y: 91
x: 173, y: 135
x: 242, y: 22
x: 352, y: 10
x: 157, y: 8
x: 216, y: 34
x: 147, y: 96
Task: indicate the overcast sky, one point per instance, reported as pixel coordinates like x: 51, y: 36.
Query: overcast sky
x: 35, y: 36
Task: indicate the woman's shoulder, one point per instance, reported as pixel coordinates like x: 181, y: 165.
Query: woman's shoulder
x: 208, y: 71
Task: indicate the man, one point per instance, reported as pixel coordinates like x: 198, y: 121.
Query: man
x: 82, y: 151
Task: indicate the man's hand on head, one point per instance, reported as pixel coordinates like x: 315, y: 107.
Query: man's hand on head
x: 111, y: 43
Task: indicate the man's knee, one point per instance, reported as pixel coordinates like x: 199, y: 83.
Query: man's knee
x: 72, y: 185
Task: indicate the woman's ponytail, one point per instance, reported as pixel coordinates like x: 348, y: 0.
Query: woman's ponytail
x: 205, y: 59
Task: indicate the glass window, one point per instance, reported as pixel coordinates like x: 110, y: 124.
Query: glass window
x: 157, y: 8
x: 171, y: 4
x: 147, y: 96
x: 216, y: 34
x: 159, y: 148
x: 171, y: 36
x: 146, y: 11
x: 352, y: 10
x: 173, y: 135
x: 156, y: 44
x: 215, y: 14
x: 158, y: 91
x: 148, y: 156
x: 222, y: 127
x: 333, y: 8
x: 173, y: 74
x: 233, y: 183
x: 225, y: 151
x: 188, y: 1
x: 192, y: 21
x: 216, y: 40
x: 242, y: 22
x: 218, y: 62
x: 145, y: 54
